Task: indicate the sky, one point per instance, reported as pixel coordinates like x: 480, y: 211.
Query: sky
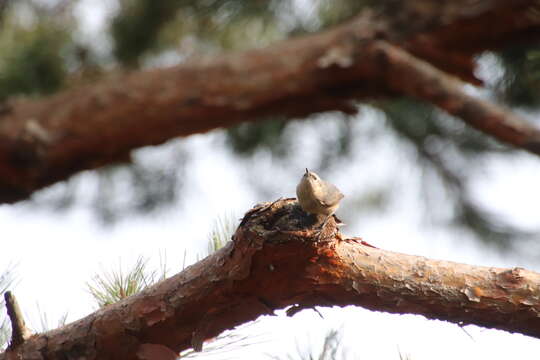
x: 54, y: 255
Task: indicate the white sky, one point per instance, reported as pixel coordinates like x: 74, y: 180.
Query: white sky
x: 56, y: 254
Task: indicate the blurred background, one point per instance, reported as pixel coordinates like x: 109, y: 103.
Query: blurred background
x: 415, y: 179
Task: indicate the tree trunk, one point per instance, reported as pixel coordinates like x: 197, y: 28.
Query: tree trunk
x: 407, y: 48
x: 276, y: 260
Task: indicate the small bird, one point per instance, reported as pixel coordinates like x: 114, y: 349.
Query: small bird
x: 317, y: 196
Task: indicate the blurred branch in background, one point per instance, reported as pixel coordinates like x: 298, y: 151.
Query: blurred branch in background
x: 46, y: 53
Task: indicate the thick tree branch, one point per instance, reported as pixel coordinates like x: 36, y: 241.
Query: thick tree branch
x: 274, y: 261
x: 47, y: 140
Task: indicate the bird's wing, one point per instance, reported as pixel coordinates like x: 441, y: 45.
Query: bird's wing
x: 331, y: 196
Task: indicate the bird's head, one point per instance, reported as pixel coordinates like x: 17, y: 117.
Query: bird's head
x: 311, y: 176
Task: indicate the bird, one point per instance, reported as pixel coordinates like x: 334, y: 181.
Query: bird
x: 317, y: 196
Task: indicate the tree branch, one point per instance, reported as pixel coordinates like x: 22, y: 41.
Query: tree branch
x: 417, y: 78
x: 275, y: 261
x: 46, y: 140
x: 19, y: 332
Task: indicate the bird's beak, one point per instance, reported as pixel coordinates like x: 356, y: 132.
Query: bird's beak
x: 307, y: 171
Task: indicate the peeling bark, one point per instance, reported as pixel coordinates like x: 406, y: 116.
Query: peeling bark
x: 276, y: 261
x: 47, y: 140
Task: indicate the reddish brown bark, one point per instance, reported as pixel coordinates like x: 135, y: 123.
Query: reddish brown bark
x: 47, y: 140
x: 276, y: 260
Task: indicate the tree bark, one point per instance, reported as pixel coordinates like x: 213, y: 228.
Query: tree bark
x: 47, y: 140
x: 276, y: 260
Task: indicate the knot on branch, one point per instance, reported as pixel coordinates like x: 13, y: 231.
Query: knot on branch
x: 284, y: 220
